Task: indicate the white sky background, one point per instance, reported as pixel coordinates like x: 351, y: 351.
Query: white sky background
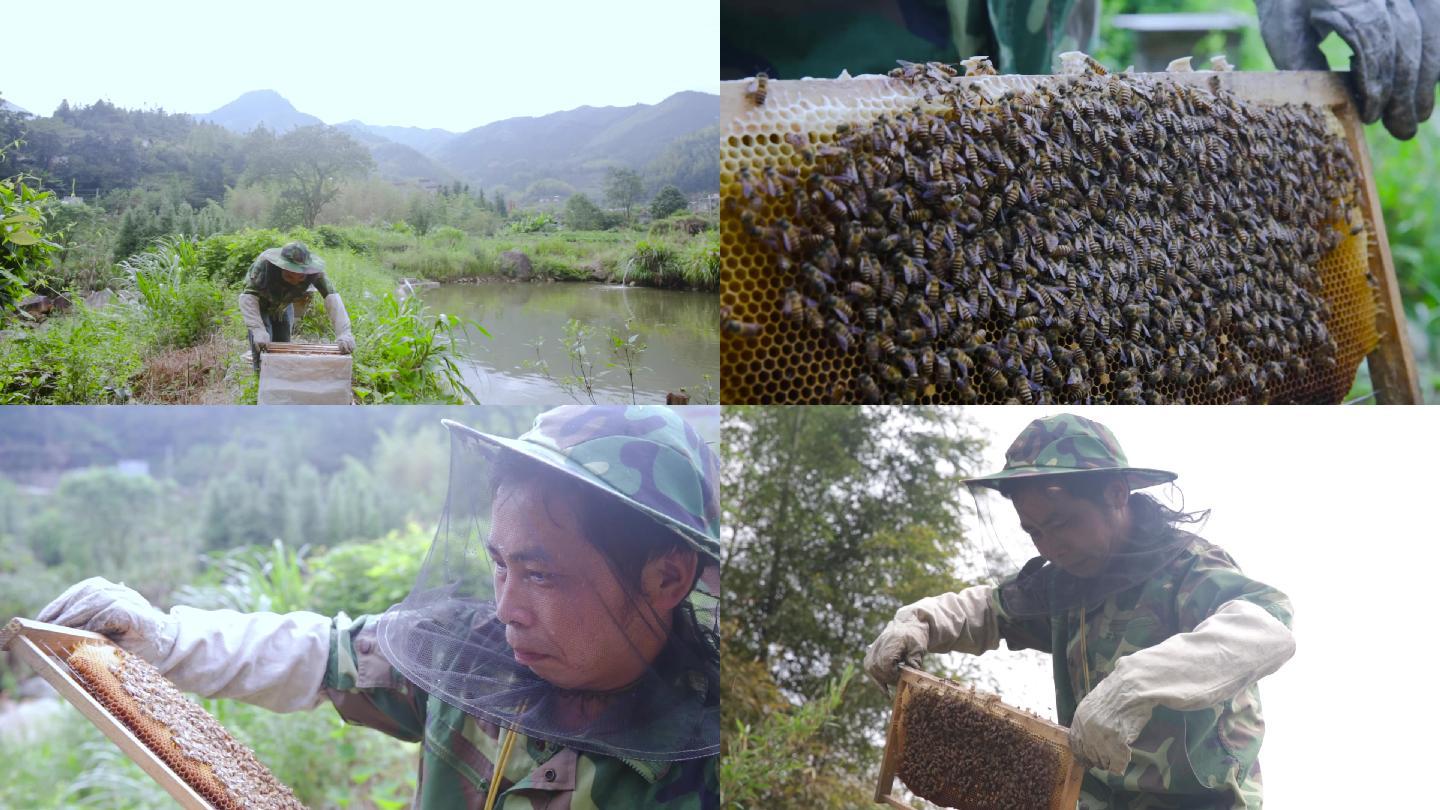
x: 425, y: 63
x: 1333, y: 506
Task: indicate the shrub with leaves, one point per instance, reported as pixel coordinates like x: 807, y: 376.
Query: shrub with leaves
x: 26, y: 251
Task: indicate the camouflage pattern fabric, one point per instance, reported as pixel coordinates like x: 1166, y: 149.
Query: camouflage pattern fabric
x: 791, y: 39
x: 266, y: 282
x: 1206, y: 758
x: 458, y: 751
x: 1065, y: 444
x: 645, y: 454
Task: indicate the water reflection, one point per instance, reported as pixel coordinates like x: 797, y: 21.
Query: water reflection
x: 681, y: 329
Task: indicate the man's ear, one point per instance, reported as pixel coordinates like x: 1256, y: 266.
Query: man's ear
x: 1117, y: 492
x: 667, y: 579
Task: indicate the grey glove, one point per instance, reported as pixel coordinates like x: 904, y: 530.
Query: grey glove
x: 1396, y: 45
x: 951, y: 622
x: 274, y: 661
x: 340, y: 321
x: 126, y: 617
x: 1237, y: 645
x: 250, y: 314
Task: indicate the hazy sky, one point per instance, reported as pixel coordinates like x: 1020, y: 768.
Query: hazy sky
x: 1335, y: 507
x: 429, y: 63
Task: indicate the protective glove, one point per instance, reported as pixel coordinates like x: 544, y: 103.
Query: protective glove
x: 273, y: 661
x: 250, y: 314
x: 952, y: 622
x: 1233, y: 648
x: 1396, y: 45
x: 335, y: 308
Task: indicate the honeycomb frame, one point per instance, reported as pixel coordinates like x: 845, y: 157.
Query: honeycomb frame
x: 1069, y: 773
x: 88, y: 669
x: 774, y: 360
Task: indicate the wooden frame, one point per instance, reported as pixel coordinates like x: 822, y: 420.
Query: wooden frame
x: 302, y: 348
x: 911, y: 679
x: 1391, y: 363
x: 42, y: 646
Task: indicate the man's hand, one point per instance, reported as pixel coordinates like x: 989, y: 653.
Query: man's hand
x: 126, y: 617
x: 1396, y: 45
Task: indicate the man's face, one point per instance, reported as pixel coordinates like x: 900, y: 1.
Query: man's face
x: 566, y: 615
x: 292, y: 277
x: 1076, y: 534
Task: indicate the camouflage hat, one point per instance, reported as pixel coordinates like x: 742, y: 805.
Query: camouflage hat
x: 646, y: 455
x: 296, y: 258
x: 1065, y: 445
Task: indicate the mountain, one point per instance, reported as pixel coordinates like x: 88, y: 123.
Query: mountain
x: 259, y: 107
x: 421, y: 140
x: 10, y: 106
x: 576, y: 146
x: 396, y: 161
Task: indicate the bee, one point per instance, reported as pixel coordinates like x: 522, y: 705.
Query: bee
x: 740, y: 328
x: 869, y: 391
x: 758, y: 88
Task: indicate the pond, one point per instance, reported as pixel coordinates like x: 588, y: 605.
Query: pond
x: 681, y: 330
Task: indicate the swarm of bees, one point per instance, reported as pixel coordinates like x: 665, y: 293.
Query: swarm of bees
x: 1102, y: 238
x: 959, y: 755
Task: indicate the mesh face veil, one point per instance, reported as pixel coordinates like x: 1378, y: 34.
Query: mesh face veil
x: 570, y: 592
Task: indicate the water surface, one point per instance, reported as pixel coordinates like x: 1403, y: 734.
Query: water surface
x: 680, y: 329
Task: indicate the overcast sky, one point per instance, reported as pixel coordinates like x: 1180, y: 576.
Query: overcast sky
x: 1335, y: 507
x: 426, y: 63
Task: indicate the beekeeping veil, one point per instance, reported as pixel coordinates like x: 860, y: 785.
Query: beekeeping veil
x: 653, y: 483
x: 1070, y: 446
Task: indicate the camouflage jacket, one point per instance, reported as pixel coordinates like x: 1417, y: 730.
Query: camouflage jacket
x: 458, y: 750
x: 265, y: 282
x: 790, y: 39
x: 1198, y: 759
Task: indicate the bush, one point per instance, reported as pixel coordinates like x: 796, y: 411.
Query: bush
x: 184, y: 307
x: 227, y: 258
x: 655, y: 263
x: 667, y: 202
x: 407, y: 355
x: 581, y: 214
x: 85, y: 358
x: 25, y: 247
x: 368, y: 577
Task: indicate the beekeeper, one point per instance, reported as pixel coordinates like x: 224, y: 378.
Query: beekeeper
x: 559, y: 648
x: 1157, y: 638
x: 1394, y: 70
x: 277, y: 293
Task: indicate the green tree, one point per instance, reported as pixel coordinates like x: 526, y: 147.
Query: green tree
x: 310, y: 163
x: 833, y: 518
x: 622, y: 188
x: 667, y: 202
x: 581, y: 214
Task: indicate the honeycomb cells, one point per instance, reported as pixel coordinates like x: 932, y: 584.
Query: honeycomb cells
x: 1101, y: 239
x: 190, y: 741
x: 959, y: 755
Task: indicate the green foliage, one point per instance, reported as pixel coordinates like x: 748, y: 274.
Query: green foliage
x: 700, y: 265
x: 227, y: 258
x: 1403, y: 174
x: 309, y: 163
x: 184, y: 305
x: 535, y: 223
x: 26, y: 249
x: 408, y: 355
x: 669, y: 201
x: 582, y: 214
x: 623, y: 188
x: 368, y: 577
x: 625, y: 350
x: 773, y: 761
x: 691, y: 163
x: 837, y: 517
x: 86, y: 357
x: 657, y: 264
x: 135, y: 516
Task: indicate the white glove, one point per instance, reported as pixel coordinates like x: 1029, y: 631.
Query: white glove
x: 250, y: 314
x: 273, y: 661
x: 340, y: 321
x: 951, y: 622
x: 1233, y: 648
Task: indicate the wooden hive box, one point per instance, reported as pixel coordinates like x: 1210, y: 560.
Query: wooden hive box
x: 1022, y: 732
x: 305, y: 374
x: 80, y: 665
x: 767, y: 358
